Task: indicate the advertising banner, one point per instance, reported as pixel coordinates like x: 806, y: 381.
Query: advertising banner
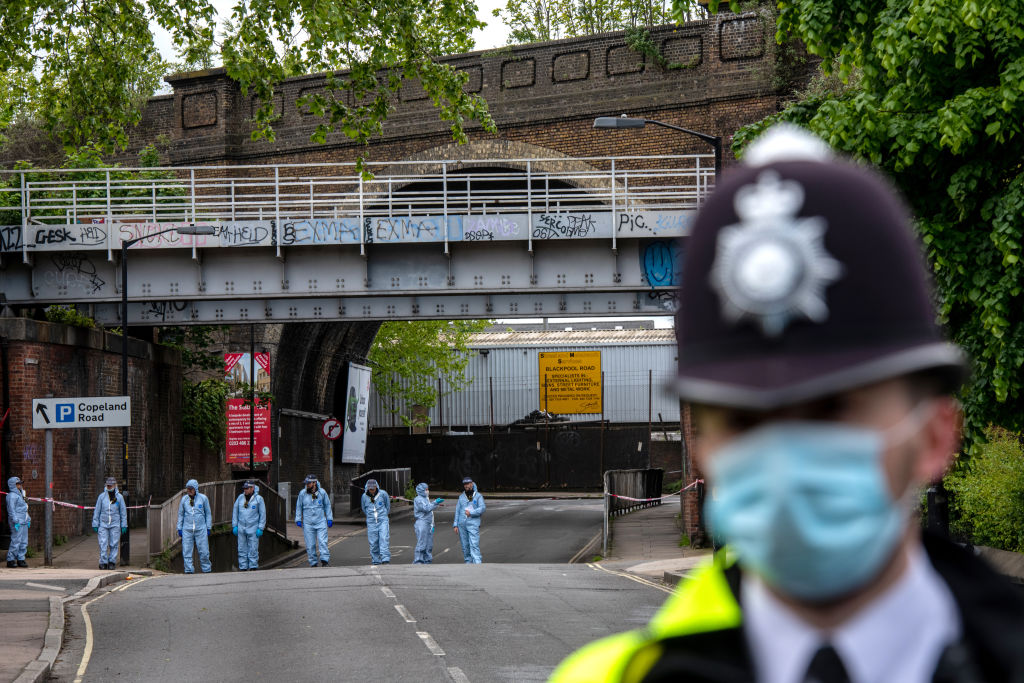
x: 236, y: 442
x: 357, y: 402
x: 570, y: 381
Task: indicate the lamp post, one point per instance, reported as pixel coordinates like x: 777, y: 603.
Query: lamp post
x: 181, y: 230
x: 626, y: 122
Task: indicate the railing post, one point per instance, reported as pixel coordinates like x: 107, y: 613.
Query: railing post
x: 192, y: 177
x: 24, y: 219
x: 362, y: 227
x: 529, y: 207
x: 615, y: 225
x: 277, y: 207
x: 444, y: 200
x: 605, y: 528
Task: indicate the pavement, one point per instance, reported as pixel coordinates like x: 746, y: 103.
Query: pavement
x: 645, y: 544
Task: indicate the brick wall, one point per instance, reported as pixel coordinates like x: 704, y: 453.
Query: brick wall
x: 546, y: 94
x: 51, y: 359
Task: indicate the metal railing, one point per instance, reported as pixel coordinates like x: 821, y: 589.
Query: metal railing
x: 163, y: 518
x: 326, y: 191
x: 393, y: 481
x: 644, y: 486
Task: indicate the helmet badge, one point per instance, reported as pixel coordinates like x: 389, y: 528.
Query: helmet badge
x: 772, y: 266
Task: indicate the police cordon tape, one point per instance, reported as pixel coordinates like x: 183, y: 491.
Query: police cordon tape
x: 650, y: 500
x: 612, y: 495
x: 63, y: 504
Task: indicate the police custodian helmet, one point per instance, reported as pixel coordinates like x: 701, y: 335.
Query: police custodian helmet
x: 803, y: 278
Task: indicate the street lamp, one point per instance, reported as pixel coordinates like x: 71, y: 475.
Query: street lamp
x: 626, y: 122
x: 181, y: 230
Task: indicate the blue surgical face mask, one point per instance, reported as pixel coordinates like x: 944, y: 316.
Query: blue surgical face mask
x: 806, y: 505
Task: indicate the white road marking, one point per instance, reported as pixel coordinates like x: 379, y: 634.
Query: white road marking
x: 87, y: 652
x: 387, y: 592
x: 457, y: 675
x: 631, y: 577
x: 45, y: 585
x: 429, y: 642
x: 405, y: 614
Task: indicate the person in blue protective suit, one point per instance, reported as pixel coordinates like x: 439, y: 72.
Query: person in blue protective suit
x: 109, y: 522
x: 195, y: 524
x: 423, y: 511
x: 18, y: 518
x: 314, y: 516
x: 467, y: 521
x: 248, y: 520
x: 377, y: 506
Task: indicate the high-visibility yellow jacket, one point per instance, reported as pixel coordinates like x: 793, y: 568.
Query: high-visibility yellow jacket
x: 697, y: 636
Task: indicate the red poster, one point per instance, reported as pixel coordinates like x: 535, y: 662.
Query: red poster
x: 236, y: 446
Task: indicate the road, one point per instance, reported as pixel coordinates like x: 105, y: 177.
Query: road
x: 445, y: 622
x: 536, y: 531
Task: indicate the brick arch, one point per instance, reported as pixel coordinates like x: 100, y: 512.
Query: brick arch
x: 511, y: 154
x: 312, y: 362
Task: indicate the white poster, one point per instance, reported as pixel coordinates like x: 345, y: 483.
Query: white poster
x: 357, y: 403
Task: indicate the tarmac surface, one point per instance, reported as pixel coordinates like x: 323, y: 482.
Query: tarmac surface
x: 511, y: 619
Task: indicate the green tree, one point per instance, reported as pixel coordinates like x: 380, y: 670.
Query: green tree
x: 988, y: 492
x: 84, y: 69
x: 531, y: 21
x: 933, y: 94
x: 408, y: 356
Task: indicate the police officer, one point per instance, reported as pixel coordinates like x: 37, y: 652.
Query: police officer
x: 109, y: 522
x: 823, y: 403
x: 313, y: 514
x: 248, y: 520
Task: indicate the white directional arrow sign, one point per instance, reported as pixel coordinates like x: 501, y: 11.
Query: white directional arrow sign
x: 78, y: 413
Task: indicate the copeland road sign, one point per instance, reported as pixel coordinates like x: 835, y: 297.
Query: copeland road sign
x: 331, y: 429
x: 76, y: 413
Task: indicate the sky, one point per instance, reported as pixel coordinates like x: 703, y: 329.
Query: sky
x: 494, y: 35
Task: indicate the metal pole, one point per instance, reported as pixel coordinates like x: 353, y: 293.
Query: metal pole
x: 125, y: 542
x: 490, y: 383
x: 650, y: 414
x: 330, y: 469
x: 252, y: 397
x: 48, y: 540
x: 604, y: 528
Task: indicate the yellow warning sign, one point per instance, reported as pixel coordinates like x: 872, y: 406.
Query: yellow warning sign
x: 570, y: 381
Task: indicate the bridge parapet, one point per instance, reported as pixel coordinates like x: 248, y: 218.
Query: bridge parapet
x: 415, y: 202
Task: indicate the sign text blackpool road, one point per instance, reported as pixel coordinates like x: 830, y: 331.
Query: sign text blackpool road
x: 76, y: 413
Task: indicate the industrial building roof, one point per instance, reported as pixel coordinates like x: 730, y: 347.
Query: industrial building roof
x: 573, y: 338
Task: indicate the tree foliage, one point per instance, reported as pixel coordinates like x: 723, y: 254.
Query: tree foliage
x: 531, y: 21
x: 84, y: 69
x: 203, y: 411
x: 988, y: 493
x: 934, y: 96
x: 409, y: 356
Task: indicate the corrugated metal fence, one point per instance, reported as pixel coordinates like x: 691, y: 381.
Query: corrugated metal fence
x: 506, y: 387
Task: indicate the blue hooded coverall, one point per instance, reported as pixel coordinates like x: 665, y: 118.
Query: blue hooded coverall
x: 314, y: 511
x: 469, y: 527
x: 378, y: 525
x: 195, y: 521
x: 423, y: 511
x: 248, y: 516
x: 18, y: 518
x: 109, y: 518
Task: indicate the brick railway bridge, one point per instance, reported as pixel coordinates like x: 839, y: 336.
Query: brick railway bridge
x: 548, y: 217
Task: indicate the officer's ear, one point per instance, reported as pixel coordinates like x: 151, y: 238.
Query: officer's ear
x: 939, y: 440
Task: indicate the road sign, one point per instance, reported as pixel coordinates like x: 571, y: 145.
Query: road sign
x: 78, y: 413
x: 331, y: 429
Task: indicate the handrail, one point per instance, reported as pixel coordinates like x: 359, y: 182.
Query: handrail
x: 628, y: 490
x: 288, y: 192
x: 163, y: 517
